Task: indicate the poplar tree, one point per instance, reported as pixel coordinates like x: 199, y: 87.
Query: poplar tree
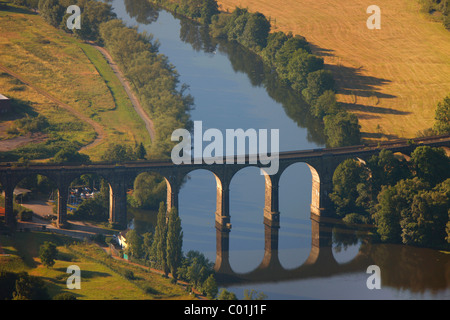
x: 160, y: 240
x: 174, y: 242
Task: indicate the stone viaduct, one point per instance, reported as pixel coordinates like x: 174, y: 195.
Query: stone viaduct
x: 322, y: 163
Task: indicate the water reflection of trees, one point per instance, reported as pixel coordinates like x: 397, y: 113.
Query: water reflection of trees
x: 243, y: 61
x: 143, y: 11
x: 258, y: 73
x: 419, y: 270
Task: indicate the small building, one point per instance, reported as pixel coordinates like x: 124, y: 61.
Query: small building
x: 5, y: 104
x: 122, y: 240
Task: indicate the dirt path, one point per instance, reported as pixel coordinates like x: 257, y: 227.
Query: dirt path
x: 134, y: 100
x: 97, y: 127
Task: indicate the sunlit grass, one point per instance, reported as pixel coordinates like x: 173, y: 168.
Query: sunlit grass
x: 71, y: 71
x: 102, y: 277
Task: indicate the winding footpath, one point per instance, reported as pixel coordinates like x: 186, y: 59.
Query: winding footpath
x: 100, y: 133
x: 134, y: 100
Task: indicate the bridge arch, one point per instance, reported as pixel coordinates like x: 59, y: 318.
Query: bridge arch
x: 294, y: 241
x: 200, y: 206
x: 247, y: 237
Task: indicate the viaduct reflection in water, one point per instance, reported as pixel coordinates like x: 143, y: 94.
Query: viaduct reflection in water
x: 402, y: 267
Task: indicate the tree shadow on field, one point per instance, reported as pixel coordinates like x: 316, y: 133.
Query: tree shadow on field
x: 372, y: 109
x: 6, y: 6
x: 352, y: 82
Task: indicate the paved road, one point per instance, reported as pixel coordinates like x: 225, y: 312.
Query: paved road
x: 78, y: 229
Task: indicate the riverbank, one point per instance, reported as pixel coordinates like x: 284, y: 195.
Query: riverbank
x: 390, y: 78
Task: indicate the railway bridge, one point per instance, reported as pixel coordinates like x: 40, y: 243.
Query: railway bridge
x: 322, y: 163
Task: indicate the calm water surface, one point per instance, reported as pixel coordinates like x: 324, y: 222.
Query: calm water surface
x: 232, y: 89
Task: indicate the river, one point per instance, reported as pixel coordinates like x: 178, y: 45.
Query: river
x: 232, y: 89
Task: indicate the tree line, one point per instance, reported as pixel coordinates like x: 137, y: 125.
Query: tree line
x: 288, y: 55
x: 407, y: 201
x: 439, y: 9
x: 162, y: 249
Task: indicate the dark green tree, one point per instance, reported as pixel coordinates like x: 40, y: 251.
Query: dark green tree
x: 209, y: 9
x: 393, y: 201
x: 256, y: 31
x: 431, y: 164
x: 174, y: 242
x: 442, y: 116
x: 140, y: 151
x: 386, y: 169
x: 210, y: 287
x: 342, y: 129
x: 51, y: 11
x: 346, y: 178
x: 424, y: 223
x: 134, y: 244
x: 317, y: 83
x: 29, y: 288
x: 226, y: 295
x: 70, y: 155
x: 48, y: 254
x: 118, y: 153
x: 325, y: 104
x: 160, y: 239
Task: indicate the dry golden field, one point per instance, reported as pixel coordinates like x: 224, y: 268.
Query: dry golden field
x: 392, y: 78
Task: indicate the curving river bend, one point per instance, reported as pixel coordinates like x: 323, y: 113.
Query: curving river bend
x: 232, y: 89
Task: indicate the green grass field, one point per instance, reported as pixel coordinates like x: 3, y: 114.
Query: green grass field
x: 101, y: 277
x: 73, y: 72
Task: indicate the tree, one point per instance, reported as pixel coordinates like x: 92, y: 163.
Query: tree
x: 160, y: 239
x: 134, y: 244
x: 70, y: 155
x: 226, y: 295
x: 392, y: 202
x: 149, y: 190
x: 254, y: 295
x: 174, y: 242
x: 442, y: 116
x: 424, y: 223
x: 140, y: 151
x: 342, y: 129
x: 118, y: 153
x: 196, y: 268
x: 431, y: 164
x: 48, y: 254
x: 386, y: 169
x: 256, y: 31
x: 324, y: 105
x: 346, y: 178
x: 29, y: 288
x: 51, y: 11
x: 317, y: 83
x: 209, y: 9
x: 147, y: 243
x: 210, y: 287
x: 93, y: 14
x: 299, y: 66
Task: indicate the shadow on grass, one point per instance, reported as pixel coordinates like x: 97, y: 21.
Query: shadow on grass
x: 7, y: 6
